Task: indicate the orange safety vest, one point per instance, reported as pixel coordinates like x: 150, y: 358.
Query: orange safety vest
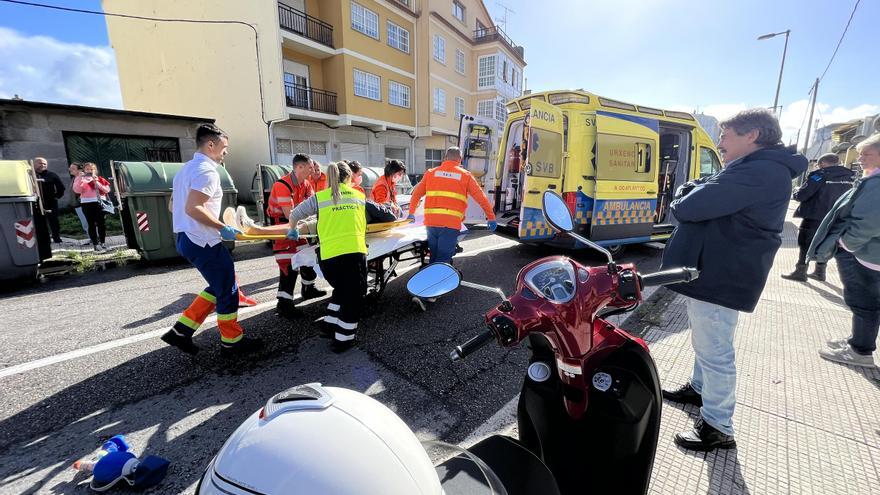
x: 384, y: 191
x: 446, y: 190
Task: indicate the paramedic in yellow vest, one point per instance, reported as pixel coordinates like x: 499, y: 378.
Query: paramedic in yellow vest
x: 342, y: 251
x: 446, y: 190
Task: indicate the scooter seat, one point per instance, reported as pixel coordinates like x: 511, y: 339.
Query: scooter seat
x: 519, y: 470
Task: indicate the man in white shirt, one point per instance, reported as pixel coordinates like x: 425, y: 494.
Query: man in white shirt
x: 195, y: 203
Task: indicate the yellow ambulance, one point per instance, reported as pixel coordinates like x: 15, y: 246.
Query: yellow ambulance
x: 616, y: 164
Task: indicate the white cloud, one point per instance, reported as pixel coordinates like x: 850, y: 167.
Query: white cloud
x: 794, y: 115
x: 40, y: 68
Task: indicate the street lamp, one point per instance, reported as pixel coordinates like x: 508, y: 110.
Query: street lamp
x: 784, y: 49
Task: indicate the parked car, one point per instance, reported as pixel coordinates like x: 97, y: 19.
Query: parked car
x: 372, y: 174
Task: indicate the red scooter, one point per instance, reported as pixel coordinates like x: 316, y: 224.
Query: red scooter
x: 589, y: 409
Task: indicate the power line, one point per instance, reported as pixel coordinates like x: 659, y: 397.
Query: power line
x: 856, y: 6
x: 173, y: 20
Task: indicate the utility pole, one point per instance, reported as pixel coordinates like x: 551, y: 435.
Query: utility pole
x: 809, y: 124
x: 787, y: 32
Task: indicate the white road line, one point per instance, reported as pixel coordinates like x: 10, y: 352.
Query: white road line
x: 113, y: 344
x: 106, y: 346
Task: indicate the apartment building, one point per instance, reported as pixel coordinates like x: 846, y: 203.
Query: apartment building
x: 353, y: 79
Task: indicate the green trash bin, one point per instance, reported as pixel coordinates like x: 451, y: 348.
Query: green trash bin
x: 19, y: 251
x: 264, y: 178
x: 144, y: 193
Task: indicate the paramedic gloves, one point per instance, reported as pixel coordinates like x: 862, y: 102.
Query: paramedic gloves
x: 228, y: 233
x: 411, y: 218
x: 293, y: 234
x: 492, y: 225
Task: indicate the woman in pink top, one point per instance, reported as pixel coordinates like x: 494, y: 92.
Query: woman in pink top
x: 91, y: 187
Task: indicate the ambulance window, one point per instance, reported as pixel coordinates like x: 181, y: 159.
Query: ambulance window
x: 709, y: 164
x: 624, y: 158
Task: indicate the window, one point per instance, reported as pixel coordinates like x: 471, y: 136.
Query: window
x: 486, y: 69
x: 398, y: 37
x: 486, y: 108
x: 504, y: 70
x: 367, y: 85
x: 440, y: 48
x: 282, y: 146
x: 459, y: 107
x: 709, y: 164
x: 500, y: 111
x: 459, y: 61
x: 514, y: 78
x: 364, y: 20
x: 439, y: 100
x: 398, y: 94
x: 481, y: 29
x: 458, y: 11
x: 433, y: 158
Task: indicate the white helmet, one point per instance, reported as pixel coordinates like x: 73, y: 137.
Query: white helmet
x: 311, y: 439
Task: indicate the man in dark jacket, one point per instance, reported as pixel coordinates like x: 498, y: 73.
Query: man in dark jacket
x: 730, y: 229
x: 816, y: 196
x: 51, y: 190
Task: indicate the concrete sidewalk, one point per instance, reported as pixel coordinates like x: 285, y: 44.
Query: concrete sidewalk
x: 804, y: 425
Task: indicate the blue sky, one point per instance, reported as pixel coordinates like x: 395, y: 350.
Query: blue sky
x: 681, y: 54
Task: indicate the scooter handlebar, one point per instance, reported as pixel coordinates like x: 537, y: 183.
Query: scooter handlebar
x: 472, y: 345
x: 673, y: 276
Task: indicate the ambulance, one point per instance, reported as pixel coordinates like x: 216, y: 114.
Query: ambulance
x: 616, y: 164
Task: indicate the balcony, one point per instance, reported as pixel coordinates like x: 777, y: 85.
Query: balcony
x: 306, y: 98
x: 305, y: 33
x: 494, y: 33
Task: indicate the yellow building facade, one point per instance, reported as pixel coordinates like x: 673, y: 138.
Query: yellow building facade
x: 337, y: 79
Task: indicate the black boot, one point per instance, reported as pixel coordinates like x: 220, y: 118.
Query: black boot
x: 684, y: 395
x: 818, y: 272
x: 287, y: 309
x: 704, y: 437
x: 311, y: 292
x: 798, y: 275
x: 244, y: 346
x: 181, y: 341
x: 340, y: 346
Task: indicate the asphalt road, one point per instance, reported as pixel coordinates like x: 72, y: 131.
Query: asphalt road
x: 80, y: 360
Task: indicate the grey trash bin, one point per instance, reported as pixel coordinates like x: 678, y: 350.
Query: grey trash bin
x: 19, y: 251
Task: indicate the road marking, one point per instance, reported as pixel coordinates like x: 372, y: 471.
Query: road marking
x: 113, y: 344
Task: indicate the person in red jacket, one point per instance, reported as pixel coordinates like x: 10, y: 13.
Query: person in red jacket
x: 287, y: 193
x: 385, y: 189
x: 357, y: 176
x: 91, y: 188
x: 317, y: 179
x: 446, y: 190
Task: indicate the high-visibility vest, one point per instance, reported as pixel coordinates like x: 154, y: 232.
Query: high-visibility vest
x: 446, y: 196
x: 342, y: 226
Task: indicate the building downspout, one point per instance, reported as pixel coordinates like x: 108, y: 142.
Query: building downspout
x: 416, y: 48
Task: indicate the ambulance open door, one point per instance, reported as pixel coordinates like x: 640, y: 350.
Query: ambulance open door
x: 543, y: 170
x: 476, y: 138
x: 626, y: 177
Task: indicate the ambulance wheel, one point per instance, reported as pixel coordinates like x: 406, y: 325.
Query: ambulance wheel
x: 616, y: 249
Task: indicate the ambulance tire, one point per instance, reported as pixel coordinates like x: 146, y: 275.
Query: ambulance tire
x: 616, y: 249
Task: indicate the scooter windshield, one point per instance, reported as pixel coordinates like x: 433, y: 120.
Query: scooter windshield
x: 461, y: 471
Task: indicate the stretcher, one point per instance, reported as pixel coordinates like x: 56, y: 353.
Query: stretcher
x: 386, y: 248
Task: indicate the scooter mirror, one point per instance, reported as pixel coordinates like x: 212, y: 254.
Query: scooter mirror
x: 434, y: 280
x: 556, y: 212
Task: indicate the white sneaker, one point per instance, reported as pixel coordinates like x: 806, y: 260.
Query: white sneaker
x: 245, y: 223
x: 104, y: 246
x: 838, y: 343
x: 419, y: 303
x: 847, y: 356
x: 98, y: 248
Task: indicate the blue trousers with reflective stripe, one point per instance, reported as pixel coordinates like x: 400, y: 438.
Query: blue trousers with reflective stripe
x: 441, y: 243
x: 216, y: 266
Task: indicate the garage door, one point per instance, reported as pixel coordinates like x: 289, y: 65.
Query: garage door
x: 355, y: 152
x: 396, y: 154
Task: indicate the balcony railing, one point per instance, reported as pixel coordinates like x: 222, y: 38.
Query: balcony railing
x: 305, y: 25
x: 308, y: 98
x: 494, y: 33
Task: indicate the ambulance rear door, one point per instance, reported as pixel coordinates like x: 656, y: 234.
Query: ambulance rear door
x: 626, y: 177
x: 477, y: 139
x: 543, y: 170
